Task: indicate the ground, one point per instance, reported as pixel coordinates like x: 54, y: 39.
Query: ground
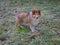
x: 48, y: 29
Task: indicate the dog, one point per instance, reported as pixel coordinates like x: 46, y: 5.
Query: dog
x: 31, y: 18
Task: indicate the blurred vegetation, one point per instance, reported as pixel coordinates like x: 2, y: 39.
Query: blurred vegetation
x: 49, y: 23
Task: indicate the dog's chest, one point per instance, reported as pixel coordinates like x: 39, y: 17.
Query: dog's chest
x: 35, y: 21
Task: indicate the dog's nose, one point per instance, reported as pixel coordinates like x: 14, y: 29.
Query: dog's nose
x: 37, y: 16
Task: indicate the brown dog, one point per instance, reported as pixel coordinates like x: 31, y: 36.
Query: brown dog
x: 32, y: 18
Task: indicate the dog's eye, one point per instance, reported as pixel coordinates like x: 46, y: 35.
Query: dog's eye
x: 33, y: 15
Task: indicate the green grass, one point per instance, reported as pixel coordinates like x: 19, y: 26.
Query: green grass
x: 49, y: 26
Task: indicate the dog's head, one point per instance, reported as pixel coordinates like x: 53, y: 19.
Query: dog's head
x: 36, y: 13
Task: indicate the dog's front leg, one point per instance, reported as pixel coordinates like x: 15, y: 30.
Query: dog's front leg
x: 31, y: 25
x: 32, y: 29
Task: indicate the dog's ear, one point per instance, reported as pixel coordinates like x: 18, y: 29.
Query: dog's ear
x: 33, y: 12
x: 39, y: 12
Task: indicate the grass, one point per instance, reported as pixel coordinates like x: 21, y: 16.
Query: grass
x: 49, y: 23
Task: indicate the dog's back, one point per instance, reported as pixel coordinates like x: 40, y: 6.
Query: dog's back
x: 20, y: 18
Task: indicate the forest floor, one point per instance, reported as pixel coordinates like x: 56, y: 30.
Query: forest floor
x: 48, y: 30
